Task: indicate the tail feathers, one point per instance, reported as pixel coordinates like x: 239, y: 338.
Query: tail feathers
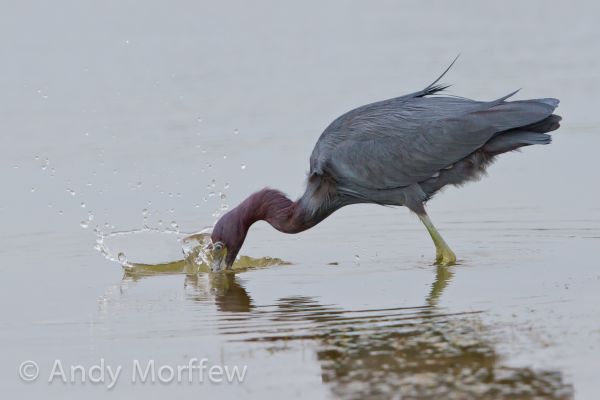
x: 513, y: 140
x: 549, y: 124
x: 552, y: 102
x: 513, y: 115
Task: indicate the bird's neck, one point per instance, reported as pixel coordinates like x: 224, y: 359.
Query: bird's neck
x: 274, y: 207
x: 282, y: 213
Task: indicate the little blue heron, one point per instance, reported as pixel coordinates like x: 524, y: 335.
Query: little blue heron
x: 396, y: 152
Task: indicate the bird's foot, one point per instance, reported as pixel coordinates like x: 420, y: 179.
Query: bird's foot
x: 445, y: 257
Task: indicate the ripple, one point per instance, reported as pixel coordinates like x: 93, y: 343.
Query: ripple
x: 405, y: 352
x: 397, y: 352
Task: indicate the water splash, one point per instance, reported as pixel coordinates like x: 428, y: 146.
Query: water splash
x: 122, y: 258
x: 195, y: 248
x: 103, y: 238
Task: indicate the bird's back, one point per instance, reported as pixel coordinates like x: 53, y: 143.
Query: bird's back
x: 408, y: 140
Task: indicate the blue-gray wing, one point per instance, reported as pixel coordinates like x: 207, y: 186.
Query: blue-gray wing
x: 401, y: 141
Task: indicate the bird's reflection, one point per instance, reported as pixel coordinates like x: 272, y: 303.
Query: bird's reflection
x: 224, y: 289
x: 443, y: 275
x: 400, y: 352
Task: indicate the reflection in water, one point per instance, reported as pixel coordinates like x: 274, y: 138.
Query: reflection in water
x: 412, y: 353
x: 228, y: 294
x: 409, y: 353
x: 443, y: 275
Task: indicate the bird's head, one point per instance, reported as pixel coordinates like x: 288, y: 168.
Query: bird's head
x: 227, y: 239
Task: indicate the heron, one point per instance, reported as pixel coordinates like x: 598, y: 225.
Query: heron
x: 395, y: 152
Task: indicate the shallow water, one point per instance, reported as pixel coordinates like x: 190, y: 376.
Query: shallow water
x: 154, y: 119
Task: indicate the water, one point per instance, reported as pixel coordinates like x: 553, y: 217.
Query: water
x: 352, y: 308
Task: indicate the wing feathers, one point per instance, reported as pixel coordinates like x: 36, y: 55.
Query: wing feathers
x: 514, y: 114
x: 402, y: 141
x: 514, y: 140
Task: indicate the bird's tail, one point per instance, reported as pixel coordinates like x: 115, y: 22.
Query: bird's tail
x: 534, y: 133
x: 546, y: 125
x: 510, y: 141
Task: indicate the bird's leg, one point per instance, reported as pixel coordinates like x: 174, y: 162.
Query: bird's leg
x: 443, y: 254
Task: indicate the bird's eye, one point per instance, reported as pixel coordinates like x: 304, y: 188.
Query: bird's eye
x: 218, y: 246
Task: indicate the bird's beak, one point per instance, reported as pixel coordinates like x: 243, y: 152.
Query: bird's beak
x: 217, y: 264
x: 216, y: 259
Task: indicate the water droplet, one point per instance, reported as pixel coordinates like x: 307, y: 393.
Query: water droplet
x: 197, y: 205
x: 172, y: 210
x: 82, y: 205
x: 60, y: 212
x: 32, y: 190
x: 90, y: 216
x: 224, y: 207
x: 211, y: 194
x: 122, y: 258
x: 139, y: 184
x: 199, y: 120
x: 160, y: 222
x: 222, y: 196
x: 356, y: 259
x: 224, y: 156
x: 115, y: 171
x: 71, y: 192
x: 88, y: 184
x: 84, y: 224
x: 174, y: 225
x: 145, y: 212
x: 226, y: 186
x: 236, y: 131
x: 243, y: 166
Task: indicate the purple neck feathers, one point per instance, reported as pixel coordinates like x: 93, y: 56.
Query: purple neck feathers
x: 318, y: 202
x: 274, y: 207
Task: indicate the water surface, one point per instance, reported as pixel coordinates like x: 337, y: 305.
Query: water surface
x: 157, y: 117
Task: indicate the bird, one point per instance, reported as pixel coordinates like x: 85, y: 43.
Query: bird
x: 395, y: 152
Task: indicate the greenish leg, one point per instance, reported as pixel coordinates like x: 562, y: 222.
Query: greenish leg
x: 443, y: 254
